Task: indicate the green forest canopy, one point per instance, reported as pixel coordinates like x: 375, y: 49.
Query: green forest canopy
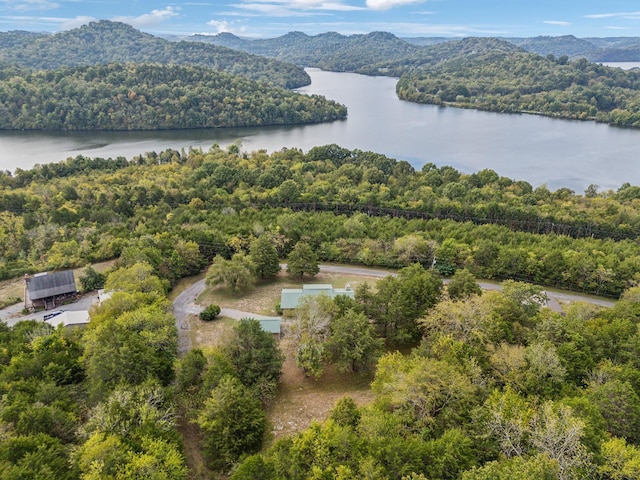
x: 149, y: 97
x: 179, y: 209
x: 107, y: 42
x: 524, y: 82
x: 494, y: 387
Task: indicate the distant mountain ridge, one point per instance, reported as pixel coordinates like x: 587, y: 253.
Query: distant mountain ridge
x: 329, y: 51
x: 106, y: 42
x: 323, y: 50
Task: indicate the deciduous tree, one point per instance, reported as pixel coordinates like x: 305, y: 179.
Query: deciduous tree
x: 302, y: 260
x: 256, y: 357
x: 233, y: 423
x: 265, y: 257
x: 236, y: 274
x: 353, y: 343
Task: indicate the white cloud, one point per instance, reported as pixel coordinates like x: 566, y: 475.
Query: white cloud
x: 52, y: 23
x: 293, y: 8
x: 149, y: 19
x: 28, y: 5
x: 70, y: 23
x: 222, y: 26
x: 388, y: 4
x: 559, y: 23
x: 627, y: 15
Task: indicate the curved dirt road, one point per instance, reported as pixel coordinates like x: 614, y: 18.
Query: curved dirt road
x: 185, y: 303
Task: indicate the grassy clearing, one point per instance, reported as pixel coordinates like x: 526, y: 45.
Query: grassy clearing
x: 209, y: 334
x: 263, y: 298
x: 300, y: 400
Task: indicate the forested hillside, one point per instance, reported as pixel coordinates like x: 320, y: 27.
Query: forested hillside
x: 441, y: 52
x: 490, y: 385
x: 613, y: 49
x: 179, y: 209
x: 149, y: 97
x: 329, y: 51
x: 524, y: 82
x: 107, y: 42
x: 333, y: 51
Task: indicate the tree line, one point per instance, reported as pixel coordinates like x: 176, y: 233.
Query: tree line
x: 177, y: 210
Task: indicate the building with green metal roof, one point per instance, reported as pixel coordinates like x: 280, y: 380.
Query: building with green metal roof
x: 270, y: 324
x: 290, y: 297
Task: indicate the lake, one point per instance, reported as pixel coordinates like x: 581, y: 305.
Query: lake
x: 540, y: 150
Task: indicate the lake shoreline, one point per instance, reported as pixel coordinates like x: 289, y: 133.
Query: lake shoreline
x: 538, y: 149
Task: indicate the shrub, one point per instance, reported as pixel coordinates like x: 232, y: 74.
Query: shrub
x: 92, y: 280
x: 210, y: 313
x: 10, y: 301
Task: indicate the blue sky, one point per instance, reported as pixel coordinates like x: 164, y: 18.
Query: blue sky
x: 271, y: 18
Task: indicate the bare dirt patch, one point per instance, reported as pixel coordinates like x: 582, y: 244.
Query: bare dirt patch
x: 302, y: 400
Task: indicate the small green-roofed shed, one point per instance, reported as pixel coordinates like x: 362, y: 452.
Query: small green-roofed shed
x: 290, y: 297
x: 270, y: 325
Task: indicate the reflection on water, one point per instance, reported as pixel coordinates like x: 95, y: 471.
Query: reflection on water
x: 525, y: 147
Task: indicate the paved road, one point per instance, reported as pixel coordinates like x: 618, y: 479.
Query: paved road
x: 555, y: 297
x: 183, y: 306
x: 185, y: 303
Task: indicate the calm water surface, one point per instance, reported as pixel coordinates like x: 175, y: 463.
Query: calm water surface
x: 540, y: 150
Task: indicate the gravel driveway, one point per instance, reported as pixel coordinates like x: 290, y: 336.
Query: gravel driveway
x: 13, y: 314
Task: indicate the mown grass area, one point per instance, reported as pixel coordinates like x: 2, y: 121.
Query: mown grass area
x: 263, y: 298
x: 300, y: 400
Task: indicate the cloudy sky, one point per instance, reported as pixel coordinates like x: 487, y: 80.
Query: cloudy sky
x: 271, y: 18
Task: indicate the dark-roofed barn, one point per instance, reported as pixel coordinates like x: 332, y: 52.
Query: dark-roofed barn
x: 46, y: 290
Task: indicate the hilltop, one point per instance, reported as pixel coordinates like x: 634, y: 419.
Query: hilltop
x: 107, y: 42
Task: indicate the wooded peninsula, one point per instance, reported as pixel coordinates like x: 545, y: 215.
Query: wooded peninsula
x: 482, y: 73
